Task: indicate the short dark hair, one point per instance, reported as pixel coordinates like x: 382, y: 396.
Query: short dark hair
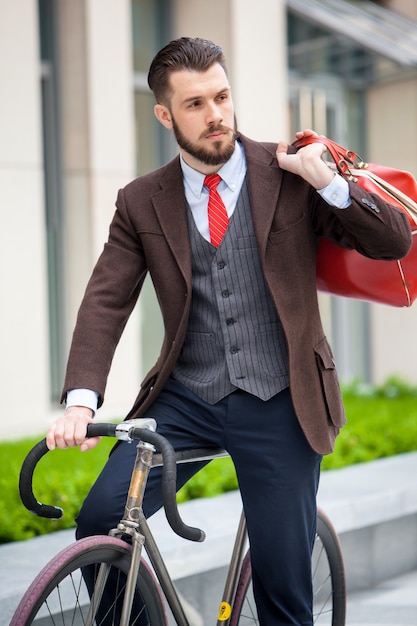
x: 181, y: 54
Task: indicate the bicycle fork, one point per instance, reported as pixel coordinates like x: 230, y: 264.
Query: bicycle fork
x: 129, y: 525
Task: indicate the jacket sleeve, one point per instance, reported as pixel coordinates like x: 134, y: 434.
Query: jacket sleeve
x: 109, y: 299
x: 369, y: 225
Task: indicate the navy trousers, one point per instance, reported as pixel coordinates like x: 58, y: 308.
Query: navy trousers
x: 278, y: 476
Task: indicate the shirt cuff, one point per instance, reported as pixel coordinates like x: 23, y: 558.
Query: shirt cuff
x: 83, y: 397
x: 336, y: 193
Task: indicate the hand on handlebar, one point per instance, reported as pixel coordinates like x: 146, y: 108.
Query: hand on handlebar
x: 70, y: 429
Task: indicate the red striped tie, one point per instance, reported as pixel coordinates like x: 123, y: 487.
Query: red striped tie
x: 217, y: 214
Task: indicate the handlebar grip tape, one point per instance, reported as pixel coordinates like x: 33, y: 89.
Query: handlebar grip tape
x: 25, y: 484
x: 169, y: 478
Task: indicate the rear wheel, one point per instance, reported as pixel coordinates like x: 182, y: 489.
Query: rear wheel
x: 58, y: 595
x: 328, y: 574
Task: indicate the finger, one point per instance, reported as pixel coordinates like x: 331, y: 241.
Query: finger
x: 80, y: 430
x: 307, y: 132
x: 89, y: 443
x: 64, y: 436
x: 50, y: 438
x: 282, y: 147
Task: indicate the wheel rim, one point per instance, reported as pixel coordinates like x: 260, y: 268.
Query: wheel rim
x: 59, y: 596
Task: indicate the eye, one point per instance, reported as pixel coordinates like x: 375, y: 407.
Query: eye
x: 194, y: 104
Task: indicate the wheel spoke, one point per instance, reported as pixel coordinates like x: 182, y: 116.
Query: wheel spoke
x: 329, y: 594
x: 59, y: 597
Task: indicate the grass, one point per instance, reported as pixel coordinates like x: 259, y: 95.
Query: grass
x: 62, y: 478
x: 381, y: 422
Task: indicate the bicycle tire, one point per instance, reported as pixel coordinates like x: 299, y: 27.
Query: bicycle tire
x: 58, y: 594
x: 329, y: 583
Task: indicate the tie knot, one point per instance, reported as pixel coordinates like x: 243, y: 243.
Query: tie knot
x: 212, y: 181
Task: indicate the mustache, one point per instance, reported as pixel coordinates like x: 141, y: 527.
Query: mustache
x: 216, y: 129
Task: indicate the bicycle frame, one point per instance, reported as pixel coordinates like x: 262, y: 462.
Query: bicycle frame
x: 135, y: 525
x: 330, y: 580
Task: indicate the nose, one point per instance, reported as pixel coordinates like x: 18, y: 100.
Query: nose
x: 214, y: 114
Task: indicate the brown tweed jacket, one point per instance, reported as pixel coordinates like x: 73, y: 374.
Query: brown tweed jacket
x: 149, y: 233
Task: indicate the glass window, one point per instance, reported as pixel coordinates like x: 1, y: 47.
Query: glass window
x: 146, y: 21
x: 150, y: 23
x: 53, y: 200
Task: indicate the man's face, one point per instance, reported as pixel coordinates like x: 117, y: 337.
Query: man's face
x: 201, y: 114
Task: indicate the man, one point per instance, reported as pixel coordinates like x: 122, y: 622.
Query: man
x: 244, y: 364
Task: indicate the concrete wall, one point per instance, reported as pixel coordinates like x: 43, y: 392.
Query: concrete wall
x: 98, y: 158
x: 23, y: 312
x: 392, y: 129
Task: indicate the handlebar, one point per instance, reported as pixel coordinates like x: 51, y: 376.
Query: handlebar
x: 126, y: 431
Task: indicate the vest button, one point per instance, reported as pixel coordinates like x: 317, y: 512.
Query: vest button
x: 230, y: 321
x: 234, y: 350
x: 225, y: 293
x: 221, y: 265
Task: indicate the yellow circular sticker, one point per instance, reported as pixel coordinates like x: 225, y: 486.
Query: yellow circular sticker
x: 225, y: 611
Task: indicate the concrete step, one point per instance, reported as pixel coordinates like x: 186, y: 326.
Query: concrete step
x: 373, y: 507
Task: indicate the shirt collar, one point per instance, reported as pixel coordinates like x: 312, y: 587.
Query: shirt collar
x: 229, y: 172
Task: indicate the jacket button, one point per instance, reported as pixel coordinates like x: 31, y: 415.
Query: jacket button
x: 371, y: 205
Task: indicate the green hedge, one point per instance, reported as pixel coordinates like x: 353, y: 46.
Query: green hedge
x: 62, y: 478
x: 381, y: 422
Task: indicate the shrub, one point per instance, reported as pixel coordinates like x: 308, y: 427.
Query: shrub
x: 62, y: 478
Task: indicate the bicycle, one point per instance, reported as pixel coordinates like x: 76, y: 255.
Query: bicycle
x: 58, y: 595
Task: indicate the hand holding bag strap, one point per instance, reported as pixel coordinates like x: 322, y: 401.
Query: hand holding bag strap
x: 346, y: 272
x: 344, y: 159
x: 381, y: 178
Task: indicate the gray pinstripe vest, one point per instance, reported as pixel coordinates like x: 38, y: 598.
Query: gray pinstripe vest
x: 234, y: 337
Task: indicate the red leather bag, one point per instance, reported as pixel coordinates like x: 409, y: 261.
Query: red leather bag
x: 346, y: 272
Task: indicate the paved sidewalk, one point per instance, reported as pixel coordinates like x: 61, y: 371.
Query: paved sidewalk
x: 391, y: 603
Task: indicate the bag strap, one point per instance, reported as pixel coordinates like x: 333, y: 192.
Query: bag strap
x: 344, y: 159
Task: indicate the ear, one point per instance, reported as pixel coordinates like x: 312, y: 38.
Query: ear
x: 163, y: 115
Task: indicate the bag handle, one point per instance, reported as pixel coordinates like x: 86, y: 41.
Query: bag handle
x: 343, y: 158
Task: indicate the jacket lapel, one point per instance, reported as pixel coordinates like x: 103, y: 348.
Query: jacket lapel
x: 264, y: 181
x: 171, y: 209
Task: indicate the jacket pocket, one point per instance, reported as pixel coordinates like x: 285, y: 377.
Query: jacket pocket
x: 330, y: 383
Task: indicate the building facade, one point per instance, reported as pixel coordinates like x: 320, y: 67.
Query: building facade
x: 76, y: 124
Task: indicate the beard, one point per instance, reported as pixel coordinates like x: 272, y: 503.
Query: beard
x: 220, y: 152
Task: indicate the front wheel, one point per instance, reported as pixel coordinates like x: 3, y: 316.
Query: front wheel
x: 59, y: 595
x: 328, y: 575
